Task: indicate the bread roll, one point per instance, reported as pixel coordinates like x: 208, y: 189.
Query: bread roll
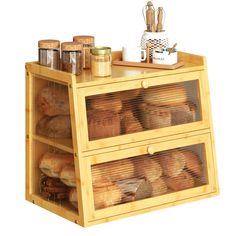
x: 172, y: 162
x: 158, y: 187
x: 165, y: 95
x: 54, y: 127
x: 118, y: 170
x: 148, y: 168
x: 103, y: 124
x: 106, y: 103
x: 51, y: 164
x: 182, y: 181
x: 154, y: 117
x: 53, y: 100
x: 193, y: 163
x: 67, y: 175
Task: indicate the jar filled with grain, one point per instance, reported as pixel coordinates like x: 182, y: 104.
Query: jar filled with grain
x: 88, y: 43
x: 101, y: 61
x: 49, y: 53
x: 72, y: 59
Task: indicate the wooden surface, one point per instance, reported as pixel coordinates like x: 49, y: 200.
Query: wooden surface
x: 148, y: 65
x: 87, y: 153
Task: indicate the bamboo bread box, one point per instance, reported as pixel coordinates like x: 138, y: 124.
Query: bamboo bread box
x: 103, y: 148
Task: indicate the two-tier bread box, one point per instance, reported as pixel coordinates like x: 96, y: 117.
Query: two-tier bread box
x: 99, y: 149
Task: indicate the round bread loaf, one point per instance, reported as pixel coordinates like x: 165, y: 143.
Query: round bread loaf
x: 148, y: 168
x: 172, y: 162
x: 158, y: 187
x: 51, y: 164
x: 165, y: 95
x: 129, y: 94
x: 67, y: 175
x: 106, y: 103
x: 182, y: 181
x: 53, y: 100
x: 193, y: 163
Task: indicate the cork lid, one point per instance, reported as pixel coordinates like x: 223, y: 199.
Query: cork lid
x: 71, y: 46
x: 49, y: 43
x: 100, y: 50
x: 84, y: 39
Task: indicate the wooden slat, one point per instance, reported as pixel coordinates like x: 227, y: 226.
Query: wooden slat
x: 54, y: 75
x: 63, y: 144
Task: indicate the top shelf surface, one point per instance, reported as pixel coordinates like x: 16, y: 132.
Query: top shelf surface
x: 119, y: 73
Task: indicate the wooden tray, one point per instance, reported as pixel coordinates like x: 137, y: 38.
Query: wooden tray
x: 148, y: 65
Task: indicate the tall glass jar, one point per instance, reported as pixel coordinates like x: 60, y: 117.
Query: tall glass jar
x: 101, y: 61
x: 49, y: 53
x: 72, y: 59
x: 88, y: 43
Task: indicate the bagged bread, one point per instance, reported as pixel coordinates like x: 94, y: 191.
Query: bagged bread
x: 54, y: 127
x: 53, y: 100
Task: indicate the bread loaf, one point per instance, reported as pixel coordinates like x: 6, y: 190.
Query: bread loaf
x: 183, y: 113
x: 51, y: 164
x: 172, y: 162
x: 73, y: 197
x: 54, y: 127
x: 193, y: 163
x: 118, y: 170
x: 148, y: 168
x: 129, y: 94
x: 107, y: 102
x: 103, y: 124
x: 67, y: 175
x: 158, y: 187
x: 165, y: 95
x: 180, y: 182
x: 154, y: 117
x: 53, y: 100
x: 129, y: 123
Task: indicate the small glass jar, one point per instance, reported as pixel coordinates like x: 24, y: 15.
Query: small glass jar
x: 88, y: 43
x: 72, y: 59
x: 101, y: 61
x: 49, y: 53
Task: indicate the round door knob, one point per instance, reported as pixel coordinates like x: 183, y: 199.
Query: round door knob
x: 144, y: 84
x: 151, y: 150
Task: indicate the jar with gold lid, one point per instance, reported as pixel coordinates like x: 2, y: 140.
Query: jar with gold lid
x: 101, y: 61
x: 49, y: 53
x: 88, y: 43
x: 72, y: 59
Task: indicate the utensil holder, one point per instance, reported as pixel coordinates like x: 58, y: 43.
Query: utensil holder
x: 155, y: 39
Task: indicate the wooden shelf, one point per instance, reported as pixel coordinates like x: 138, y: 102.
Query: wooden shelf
x: 63, y: 144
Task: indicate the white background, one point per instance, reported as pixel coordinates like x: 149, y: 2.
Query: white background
x: 201, y: 27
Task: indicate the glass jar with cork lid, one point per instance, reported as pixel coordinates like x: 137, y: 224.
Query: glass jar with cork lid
x: 88, y: 43
x: 49, y: 53
x: 72, y: 59
x: 101, y: 61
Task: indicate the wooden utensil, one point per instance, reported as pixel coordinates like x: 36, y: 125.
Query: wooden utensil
x: 160, y: 19
x: 150, y: 17
x: 148, y: 47
x: 171, y: 50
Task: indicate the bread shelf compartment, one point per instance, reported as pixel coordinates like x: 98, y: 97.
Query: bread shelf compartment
x: 120, y: 174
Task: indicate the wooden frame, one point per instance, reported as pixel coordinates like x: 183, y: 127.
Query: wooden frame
x: 87, y: 153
